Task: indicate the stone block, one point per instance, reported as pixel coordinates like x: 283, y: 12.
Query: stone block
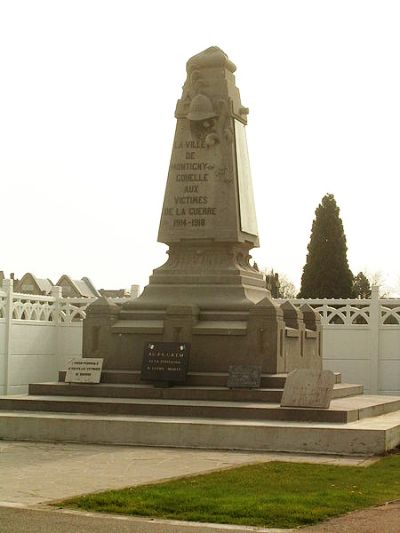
x: 308, y: 388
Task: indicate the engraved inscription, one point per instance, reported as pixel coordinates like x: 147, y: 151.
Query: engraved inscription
x: 165, y: 361
x: 191, y: 171
x: 244, y: 376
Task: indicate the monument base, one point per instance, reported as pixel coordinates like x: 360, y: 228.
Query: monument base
x: 212, y: 417
x: 275, y: 338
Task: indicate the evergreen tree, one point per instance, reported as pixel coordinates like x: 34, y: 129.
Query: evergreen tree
x: 361, y: 286
x: 326, y: 273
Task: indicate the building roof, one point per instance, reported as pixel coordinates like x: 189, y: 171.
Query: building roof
x: 43, y: 285
x: 81, y: 287
x: 114, y: 293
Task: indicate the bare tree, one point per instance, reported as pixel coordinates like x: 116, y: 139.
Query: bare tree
x: 378, y: 279
x: 279, y: 284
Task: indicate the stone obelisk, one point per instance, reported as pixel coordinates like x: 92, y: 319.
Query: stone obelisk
x: 208, y: 217
x: 207, y: 293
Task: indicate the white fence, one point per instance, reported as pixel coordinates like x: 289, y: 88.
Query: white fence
x: 38, y: 334
x: 361, y: 339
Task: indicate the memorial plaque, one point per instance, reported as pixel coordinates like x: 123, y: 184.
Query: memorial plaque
x: 84, y: 370
x: 306, y: 387
x: 244, y: 377
x: 165, y: 361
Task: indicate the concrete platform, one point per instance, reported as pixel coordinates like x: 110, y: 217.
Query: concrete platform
x: 363, y: 437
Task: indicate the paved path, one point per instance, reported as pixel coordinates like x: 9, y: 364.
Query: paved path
x: 33, y: 474
x: 383, y: 519
x: 14, y: 520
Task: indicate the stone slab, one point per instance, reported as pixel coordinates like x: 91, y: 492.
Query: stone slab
x: 244, y: 376
x: 307, y: 387
x: 84, y: 370
x: 341, y: 411
x: 211, y: 392
x: 213, y: 379
x: 165, y: 361
x: 365, y: 437
x: 149, y: 391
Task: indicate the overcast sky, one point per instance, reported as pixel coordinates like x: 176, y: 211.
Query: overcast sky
x: 87, y: 97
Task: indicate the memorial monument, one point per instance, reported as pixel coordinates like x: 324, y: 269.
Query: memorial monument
x: 205, y: 324
x: 207, y: 293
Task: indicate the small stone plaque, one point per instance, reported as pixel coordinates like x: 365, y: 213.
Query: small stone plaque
x: 84, y: 370
x: 165, y: 361
x: 244, y: 377
x: 308, y: 388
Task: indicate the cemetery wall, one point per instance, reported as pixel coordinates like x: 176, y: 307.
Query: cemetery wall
x: 361, y: 339
x: 39, y: 334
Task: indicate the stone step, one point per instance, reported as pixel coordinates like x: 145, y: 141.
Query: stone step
x: 112, y: 390
x: 365, y: 437
x: 342, y: 410
x: 344, y: 390
x: 212, y: 379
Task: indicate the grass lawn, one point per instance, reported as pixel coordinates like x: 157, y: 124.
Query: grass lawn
x: 274, y: 494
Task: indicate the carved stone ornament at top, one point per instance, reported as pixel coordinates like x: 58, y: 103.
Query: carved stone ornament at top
x: 208, y: 107
x: 207, y: 74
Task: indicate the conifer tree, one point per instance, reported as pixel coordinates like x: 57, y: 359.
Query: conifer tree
x: 361, y: 286
x: 326, y: 273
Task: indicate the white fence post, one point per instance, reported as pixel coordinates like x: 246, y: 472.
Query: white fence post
x: 8, y: 289
x: 56, y: 293
x: 135, y: 291
x: 374, y: 324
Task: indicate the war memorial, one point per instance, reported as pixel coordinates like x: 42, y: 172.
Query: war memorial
x: 205, y: 358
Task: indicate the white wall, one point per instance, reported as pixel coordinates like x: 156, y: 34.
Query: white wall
x: 39, y: 334
x: 347, y: 351
x: 367, y: 353
x: 69, y: 343
x: 32, y: 356
x: 389, y: 354
x: 2, y: 357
